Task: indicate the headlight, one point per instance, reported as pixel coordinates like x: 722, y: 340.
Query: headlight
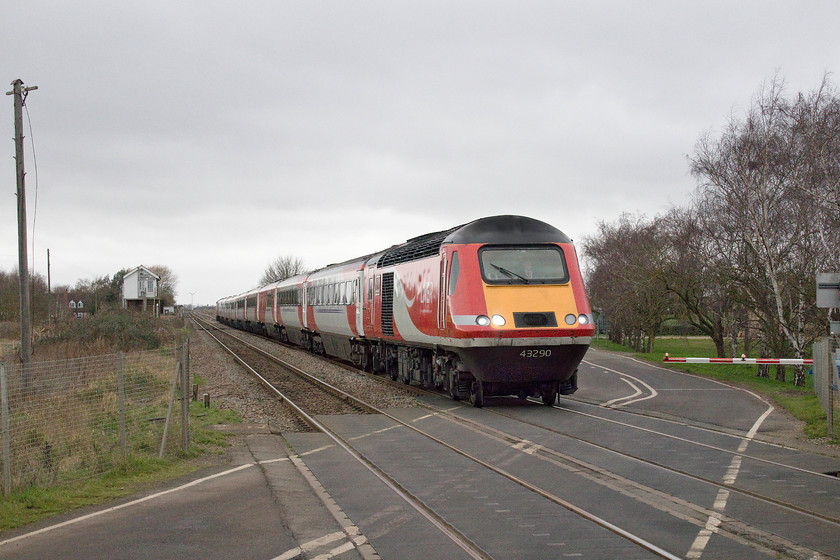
x: 482, y: 321
x: 583, y: 319
x: 498, y: 320
x: 570, y: 319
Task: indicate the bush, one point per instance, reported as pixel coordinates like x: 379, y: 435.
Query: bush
x: 114, y: 329
x: 674, y: 327
x: 9, y: 329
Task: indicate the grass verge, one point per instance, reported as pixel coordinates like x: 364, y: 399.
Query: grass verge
x: 136, y: 473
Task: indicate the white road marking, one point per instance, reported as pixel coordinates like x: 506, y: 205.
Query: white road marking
x: 636, y: 393
x: 712, y: 524
x: 311, y: 545
x: 629, y: 399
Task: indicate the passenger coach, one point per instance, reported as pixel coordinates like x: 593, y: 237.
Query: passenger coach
x: 493, y: 307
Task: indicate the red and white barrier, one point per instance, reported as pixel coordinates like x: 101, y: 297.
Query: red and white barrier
x: 742, y: 360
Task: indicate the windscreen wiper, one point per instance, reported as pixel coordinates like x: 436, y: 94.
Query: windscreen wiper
x: 508, y: 273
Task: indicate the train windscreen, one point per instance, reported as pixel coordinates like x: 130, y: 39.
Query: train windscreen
x: 523, y: 265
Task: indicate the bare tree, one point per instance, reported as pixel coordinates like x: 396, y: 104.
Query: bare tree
x: 759, y: 219
x: 815, y: 122
x: 282, y: 268
x: 167, y: 286
x: 625, y: 263
x: 698, y: 276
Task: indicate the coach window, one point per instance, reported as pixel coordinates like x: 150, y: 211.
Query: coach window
x: 454, y: 272
x: 370, y: 288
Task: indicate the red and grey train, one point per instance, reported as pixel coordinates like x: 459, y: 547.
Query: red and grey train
x: 496, y: 306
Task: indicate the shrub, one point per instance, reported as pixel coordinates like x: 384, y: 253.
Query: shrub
x: 112, y: 330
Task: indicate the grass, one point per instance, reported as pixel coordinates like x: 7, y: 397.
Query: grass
x: 66, y: 473
x: 35, y: 503
x: 801, y: 402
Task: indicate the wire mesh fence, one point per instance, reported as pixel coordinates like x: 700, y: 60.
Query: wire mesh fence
x: 69, y: 420
x: 826, y: 379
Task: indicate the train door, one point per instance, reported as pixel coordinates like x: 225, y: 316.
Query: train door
x: 305, y: 306
x: 442, y: 294
x: 269, y: 307
x: 373, y: 303
x: 360, y: 302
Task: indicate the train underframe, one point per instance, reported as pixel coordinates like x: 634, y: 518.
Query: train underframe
x: 552, y: 371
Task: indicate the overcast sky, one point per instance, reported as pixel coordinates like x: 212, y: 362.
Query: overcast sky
x: 212, y: 137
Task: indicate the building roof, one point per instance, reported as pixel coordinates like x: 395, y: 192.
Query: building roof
x: 143, y: 268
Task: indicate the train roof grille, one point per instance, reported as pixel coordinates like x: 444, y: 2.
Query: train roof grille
x: 415, y: 249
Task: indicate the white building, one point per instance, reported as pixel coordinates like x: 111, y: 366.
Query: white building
x: 140, y: 289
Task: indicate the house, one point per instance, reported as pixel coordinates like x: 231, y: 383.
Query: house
x: 140, y: 290
x: 77, y: 308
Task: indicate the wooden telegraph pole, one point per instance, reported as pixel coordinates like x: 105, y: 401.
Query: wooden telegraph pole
x: 20, y: 93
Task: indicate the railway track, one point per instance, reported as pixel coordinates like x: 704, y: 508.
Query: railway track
x: 735, y: 528
x: 359, y: 405
x: 291, y: 384
x: 740, y: 531
x: 349, y: 404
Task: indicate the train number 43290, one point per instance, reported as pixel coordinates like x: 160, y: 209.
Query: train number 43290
x: 544, y: 353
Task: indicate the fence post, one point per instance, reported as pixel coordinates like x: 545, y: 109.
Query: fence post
x: 185, y: 395
x: 6, y: 433
x: 171, y: 403
x: 121, y: 404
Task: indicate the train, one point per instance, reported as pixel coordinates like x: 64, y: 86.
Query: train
x: 493, y: 307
